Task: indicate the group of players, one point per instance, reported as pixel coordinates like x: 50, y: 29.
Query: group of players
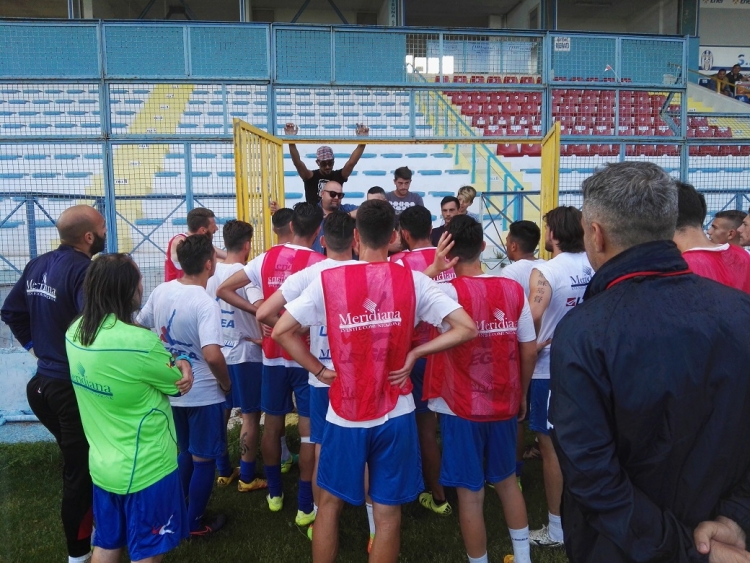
x: 370, y: 352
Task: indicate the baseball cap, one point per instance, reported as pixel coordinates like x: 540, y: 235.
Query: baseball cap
x: 324, y: 153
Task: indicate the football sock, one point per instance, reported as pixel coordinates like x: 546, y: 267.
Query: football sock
x: 273, y: 475
x: 482, y: 559
x: 223, y: 465
x: 305, y: 496
x: 370, y: 518
x: 520, y: 541
x: 185, y: 469
x: 200, y: 491
x: 555, y: 527
x: 247, y: 471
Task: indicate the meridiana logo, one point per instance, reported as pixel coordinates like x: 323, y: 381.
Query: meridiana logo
x: 371, y: 319
x: 41, y: 288
x: 502, y: 325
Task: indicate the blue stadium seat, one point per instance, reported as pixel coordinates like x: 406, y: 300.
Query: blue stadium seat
x: 260, y: 103
x: 225, y: 174
x: 41, y: 102
x: 420, y: 194
x: 343, y: 94
x: 331, y: 126
x: 374, y: 172
x: 293, y: 195
x: 215, y: 113
x: 36, y: 157
x: 196, y: 102
x: 416, y: 155
x: 201, y: 92
x: 39, y: 125
x: 187, y: 125
x: 305, y: 104
x: 391, y: 155
x: 45, y: 175
x: 88, y: 102
x: 53, y: 91
x: 76, y: 91
x: 328, y: 114
x: 174, y: 155
x: 387, y: 104
x: 350, y: 114
x: 11, y: 176
x: 141, y: 91
x: 284, y: 114
x: 133, y: 102
x: 13, y: 125
x: 284, y: 103
x: 9, y: 91
x: 367, y: 104
x: 191, y: 113
x: 28, y: 113
x: 430, y: 172
x: 52, y: 112
x: 65, y: 125
x: 213, y: 126
x: 308, y: 125
x: 457, y: 171
x: 323, y: 104
x: 127, y: 112
x: 401, y: 126
x: 10, y: 156
x: 78, y: 174
x: 227, y: 155
x: 93, y: 156
x: 77, y: 113
x: 394, y: 114
x: 11, y: 224
x: 238, y: 113
x: 306, y: 114
x: 18, y: 102
x: 290, y: 173
x: 347, y: 104
x: 442, y: 155
x: 205, y: 155
x: 353, y: 195
x: 166, y: 174
x: 7, y: 113
x: 145, y: 221
x: 441, y: 194
x: 368, y: 155
x: 66, y: 156
x: 322, y: 93
x: 243, y: 93
x: 531, y: 170
x: 283, y: 93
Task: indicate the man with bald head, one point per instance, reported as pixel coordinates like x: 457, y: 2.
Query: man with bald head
x: 331, y: 199
x: 38, y: 310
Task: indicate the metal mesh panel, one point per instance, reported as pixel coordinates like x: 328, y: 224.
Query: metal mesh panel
x: 53, y: 109
x: 352, y: 48
x: 487, y: 55
x: 240, y: 52
x: 130, y: 51
x: 33, y: 50
x: 303, y: 55
x: 578, y: 162
x: 416, y: 57
x: 722, y: 174
x: 652, y: 61
x: 579, y: 58
x: 37, y: 182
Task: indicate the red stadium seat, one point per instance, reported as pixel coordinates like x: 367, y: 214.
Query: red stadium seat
x: 559, y: 79
x: 587, y: 109
x: 491, y: 109
x: 479, y: 97
x: 477, y: 79
x: 499, y: 97
x: 471, y: 109
x: 512, y: 108
x: 531, y: 150
x: 667, y: 150
x: 479, y: 121
x: 494, y: 131
x: 535, y: 130
x: 459, y: 78
x: 460, y: 98
x: 723, y: 132
x: 494, y: 80
x: 510, y: 80
x: 590, y: 99
x: 534, y: 97
x: 517, y: 97
x: 509, y: 150
x: 605, y: 150
x: 529, y: 108
x: 730, y: 150
x: 697, y: 121
x: 702, y: 132
x: 527, y: 80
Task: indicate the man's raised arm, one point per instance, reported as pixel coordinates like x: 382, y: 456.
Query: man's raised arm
x: 228, y: 292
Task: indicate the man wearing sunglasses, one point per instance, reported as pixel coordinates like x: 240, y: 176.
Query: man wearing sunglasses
x: 331, y: 199
x: 314, y: 180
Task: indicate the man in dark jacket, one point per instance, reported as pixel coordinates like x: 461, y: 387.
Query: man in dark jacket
x: 650, y: 398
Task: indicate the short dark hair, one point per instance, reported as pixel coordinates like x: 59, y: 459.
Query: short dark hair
x: 526, y: 234
x: 198, y: 218
x: 565, y: 224
x: 375, y: 220
x: 236, y: 233
x: 450, y: 199
x: 402, y: 172
x: 417, y: 220
x: 376, y: 190
x: 108, y: 289
x: 691, y: 206
x: 467, y: 236
x: 733, y: 215
x: 194, y: 252
x: 338, y: 229
x: 306, y: 218
x: 281, y: 219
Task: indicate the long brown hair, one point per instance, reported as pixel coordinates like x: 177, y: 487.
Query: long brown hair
x: 109, y: 289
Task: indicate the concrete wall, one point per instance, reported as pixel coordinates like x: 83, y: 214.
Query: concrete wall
x: 518, y: 17
x: 724, y: 26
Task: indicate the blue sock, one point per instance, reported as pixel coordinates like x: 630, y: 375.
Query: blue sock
x: 224, y: 465
x: 305, y: 496
x: 273, y: 475
x: 200, y: 491
x: 247, y: 471
x: 519, y: 468
x: 185, y: 469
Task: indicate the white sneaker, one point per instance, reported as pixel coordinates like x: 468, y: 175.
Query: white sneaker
x: 540, y: 538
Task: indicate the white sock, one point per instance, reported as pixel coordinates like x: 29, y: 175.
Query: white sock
x: 284, y: 449
x: 482, y: 559
x: 520, y: 541
x: 315, y: 509
x: 370, y: 518
x: 555, y: 527
x: 82, y: 559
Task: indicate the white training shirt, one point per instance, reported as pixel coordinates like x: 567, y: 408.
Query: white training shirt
x: 568, y: 275
x: 187, y: 319
x: 293, y: 288
x: 525, y: 332
x: 432, y: 306
x: 237, y: 326
x: 520, y: 271
x: 254, y: 272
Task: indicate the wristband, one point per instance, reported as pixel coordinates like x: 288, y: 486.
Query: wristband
x: 317, y: 375
x: 184, y: 357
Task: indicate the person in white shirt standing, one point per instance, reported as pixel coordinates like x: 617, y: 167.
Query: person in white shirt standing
x: 556, y: 287
x: 370, y: 310
x: 242, y: 337
x: 188, y: 321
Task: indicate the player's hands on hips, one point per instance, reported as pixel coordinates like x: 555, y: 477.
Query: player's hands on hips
x: 722, y: 539
x: 362, y: 129
x: 399, y: 377
x: 185, y: 383
x: 290, y: 129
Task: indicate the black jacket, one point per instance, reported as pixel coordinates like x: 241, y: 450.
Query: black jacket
x: 650, y: 401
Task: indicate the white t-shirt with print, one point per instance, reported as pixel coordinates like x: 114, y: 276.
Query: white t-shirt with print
x: 186, y: 319
x: 293, y: 288
x: 568, y: 275
x: 524, y: 333
x: 432, y: 306
x: 237, y: 326
x: 520, y: 271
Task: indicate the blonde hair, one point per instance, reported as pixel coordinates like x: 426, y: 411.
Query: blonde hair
x: 466, y: 193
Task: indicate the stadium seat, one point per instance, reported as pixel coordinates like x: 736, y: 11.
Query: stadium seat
x: 510, y: 80
x: 531, y: 149
x: 494, y: 80
x: 508, y: 150
x: 477, y: 80
x: 527, y: 80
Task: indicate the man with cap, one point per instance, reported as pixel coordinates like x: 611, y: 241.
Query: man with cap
x: 314, y: 180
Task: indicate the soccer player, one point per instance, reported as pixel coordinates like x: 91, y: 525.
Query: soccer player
x: 338, y: 240
x: 725, y: 227
x: 556, y: 287
x: 370, y: 311
x: 282, y: 376
x: 448, y: 209
x: 479, y: 389
x: 188, y: 322
x: 122, y: 375
x: 242, y: 337
x: 725, y: 263
x: 38, y: 311
x: 416, y: 224
x: 315, y: 180
x: 200, y: 221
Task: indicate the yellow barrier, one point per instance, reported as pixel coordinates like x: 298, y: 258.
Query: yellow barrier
x: 550, y: 177
x: 259, y: 174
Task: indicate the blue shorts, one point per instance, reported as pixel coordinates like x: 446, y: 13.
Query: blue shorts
x: 246, y: 383
x: 201, y: 430
x: 417, y: 380
x: 391, y: 452
x: 475, y: 452
x: 149, y: 522
x: 539, y: 390
x: 318, y: 410
x: 279, y: 382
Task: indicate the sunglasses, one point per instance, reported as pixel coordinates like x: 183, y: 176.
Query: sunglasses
x: 325, y: 162
x: 334, y: 195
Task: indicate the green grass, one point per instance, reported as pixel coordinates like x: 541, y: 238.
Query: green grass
x: 30, y: 532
